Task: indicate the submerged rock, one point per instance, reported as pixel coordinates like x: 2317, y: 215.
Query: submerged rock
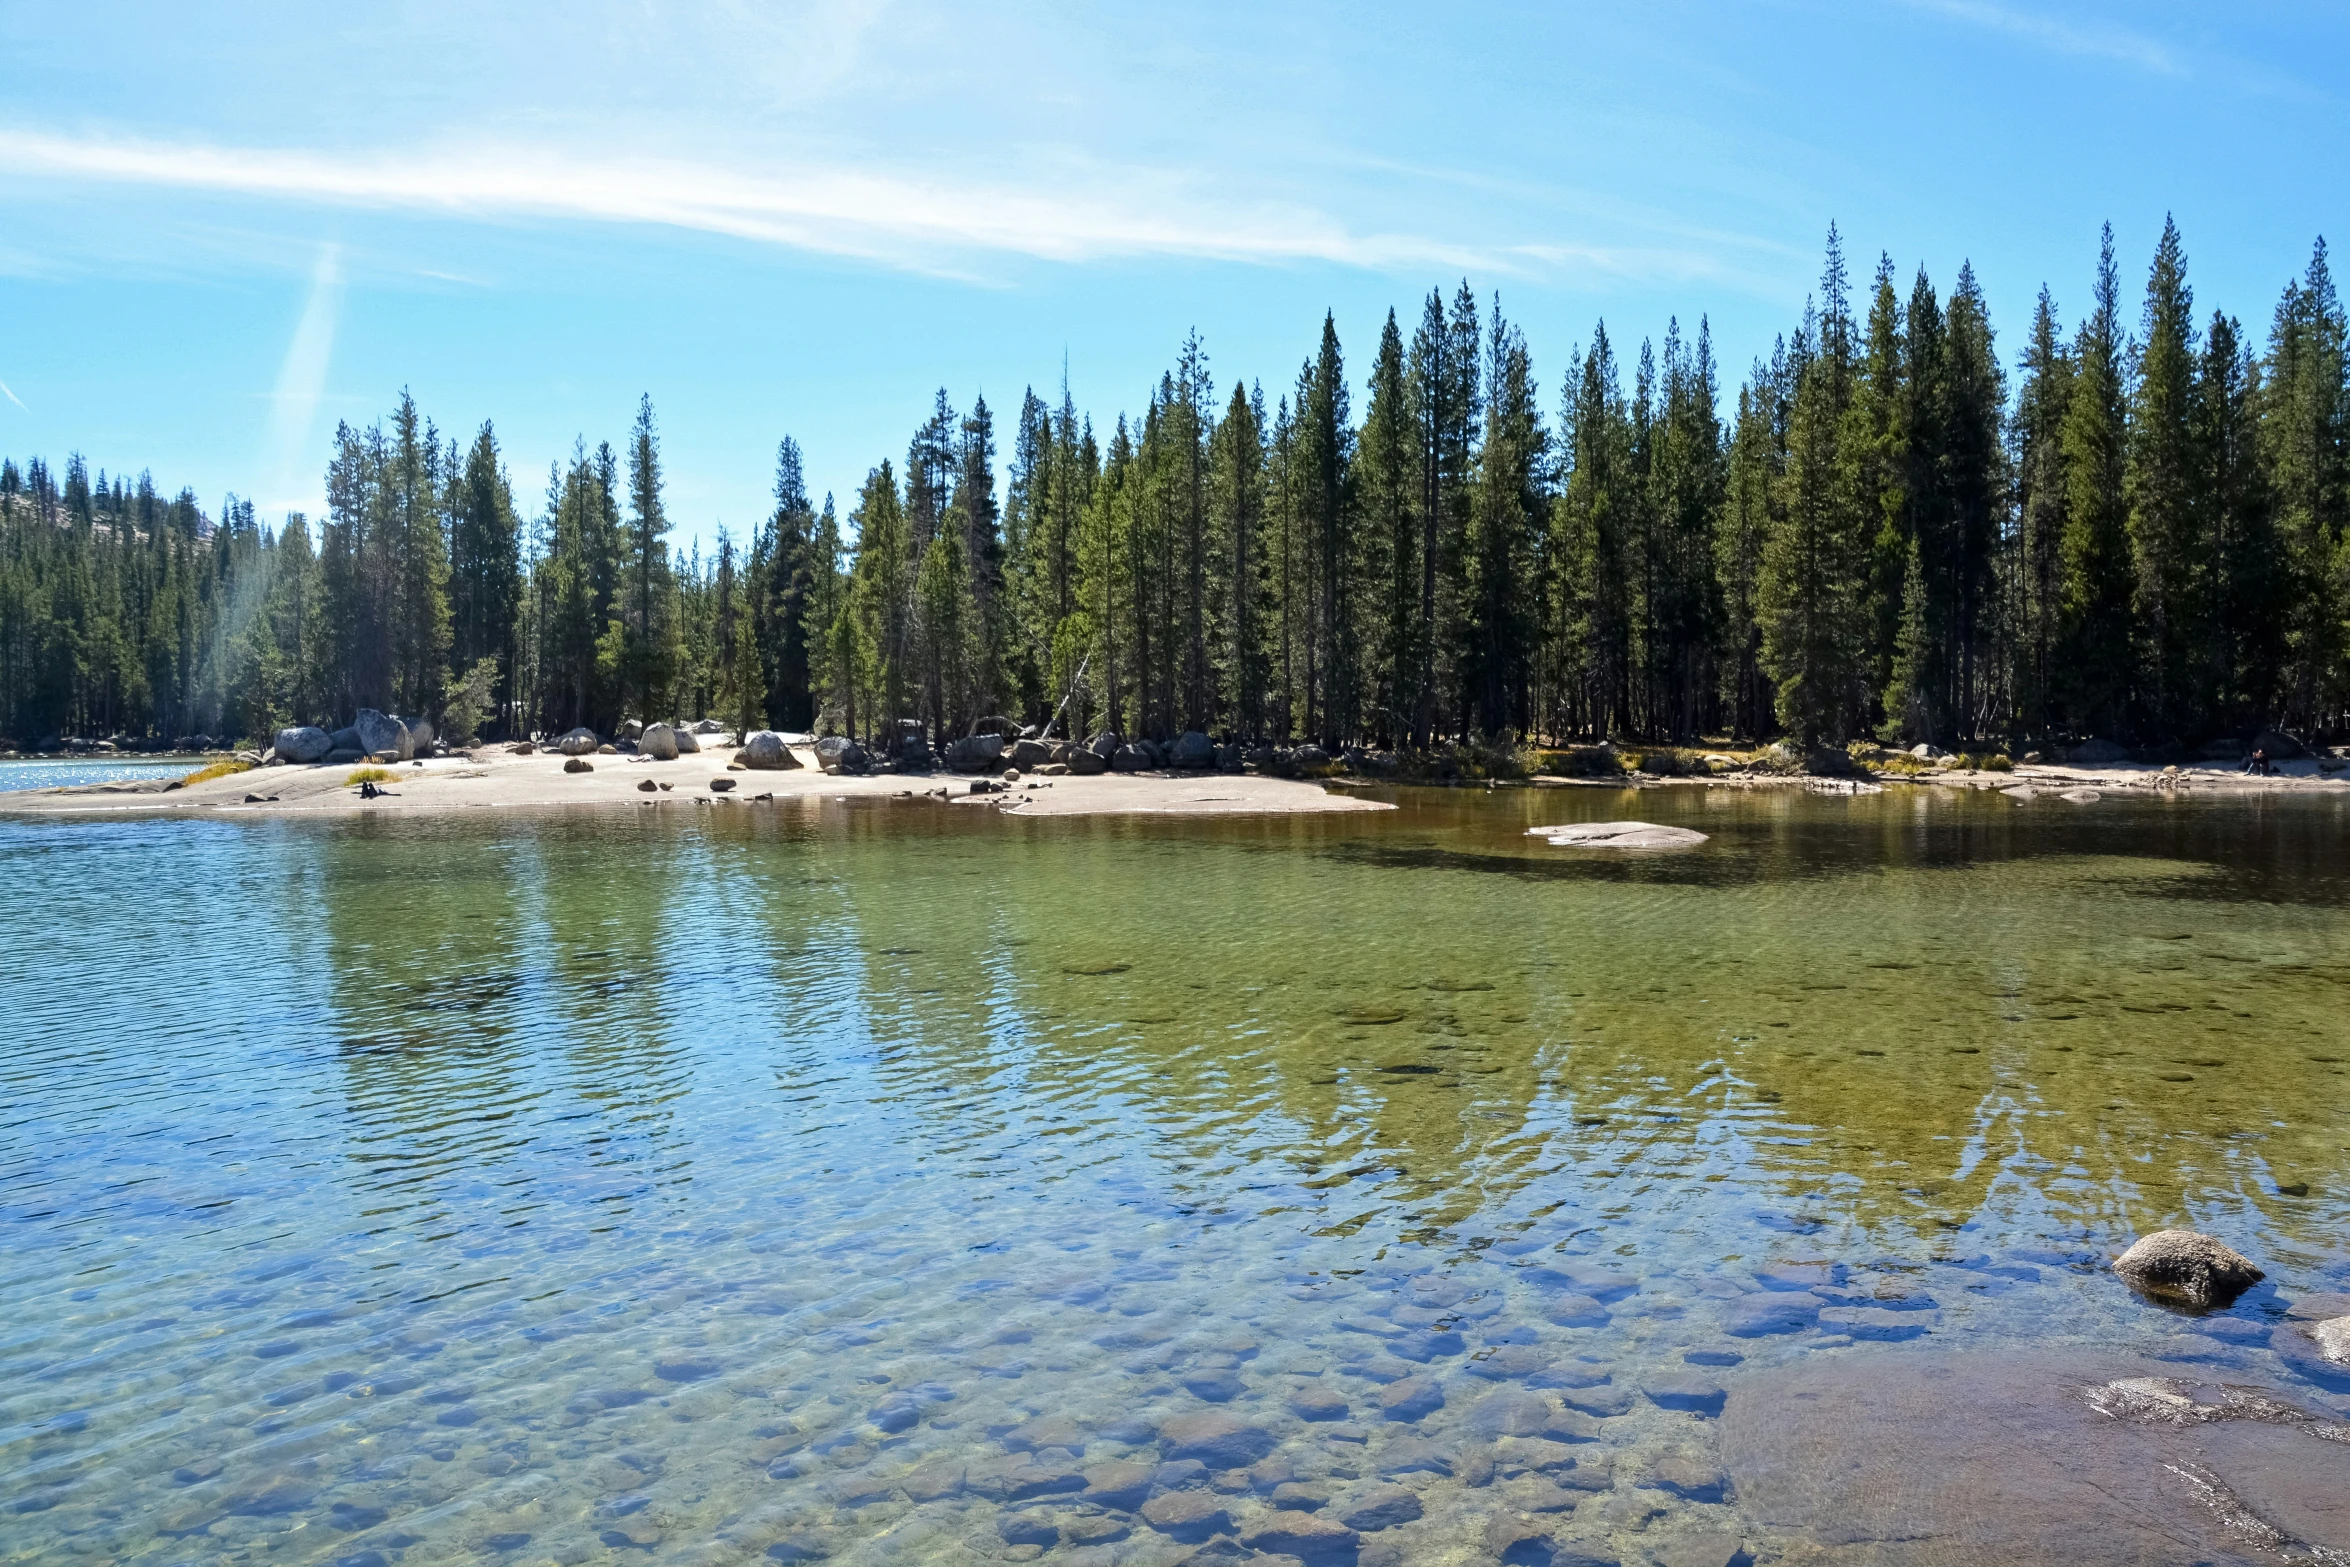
x: 1618, y: 835
x: 2184, y: 1266
x: 1217, y: 1440
x: 1187, y: 1515
x: 2034, y: 1459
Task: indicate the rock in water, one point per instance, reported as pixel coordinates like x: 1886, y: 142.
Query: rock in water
x: 1217, y: 1440
x: 2184, y: 1266
x: 380, y: 733
x: 659, y: 743
x: 579, y: 742
x: 1617, y: 835
x: 306, y: 743
x: 764, y: 751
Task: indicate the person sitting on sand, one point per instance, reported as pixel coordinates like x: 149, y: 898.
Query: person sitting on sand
x: 2257, y: 762
x: 368, y: 791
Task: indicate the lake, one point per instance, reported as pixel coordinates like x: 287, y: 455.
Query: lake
x: 890, y: 1181
x: 55, y: 772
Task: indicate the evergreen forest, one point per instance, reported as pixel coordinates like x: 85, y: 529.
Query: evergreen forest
x: 2134, y: 526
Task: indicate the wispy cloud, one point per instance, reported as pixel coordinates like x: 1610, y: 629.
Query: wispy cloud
x: 1068, y: 214
x: 2095, y: 39
x: 301, y: 378
x: 12, y: 397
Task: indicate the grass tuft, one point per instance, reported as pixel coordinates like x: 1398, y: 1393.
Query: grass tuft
x: 360, y: 775
x: 227, y: 769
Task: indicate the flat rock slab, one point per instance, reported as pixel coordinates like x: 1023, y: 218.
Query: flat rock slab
x: 1933, y: 1460
x: 1618, y: 835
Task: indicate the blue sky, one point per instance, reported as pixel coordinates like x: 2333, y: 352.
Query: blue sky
x: 228, y: 227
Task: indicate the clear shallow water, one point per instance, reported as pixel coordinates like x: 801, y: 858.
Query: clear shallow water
x: 56, y: 772
x: 861, y: 1180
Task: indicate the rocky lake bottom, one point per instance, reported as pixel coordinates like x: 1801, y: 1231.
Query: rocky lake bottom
x: 879, y: 1182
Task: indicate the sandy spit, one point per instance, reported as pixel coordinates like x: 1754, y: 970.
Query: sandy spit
x: 495, y: 780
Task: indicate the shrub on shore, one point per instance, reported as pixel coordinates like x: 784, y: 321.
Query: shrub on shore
x: 367, y: 775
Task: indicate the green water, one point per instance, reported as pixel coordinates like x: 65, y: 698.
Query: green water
x: 860, y: 1179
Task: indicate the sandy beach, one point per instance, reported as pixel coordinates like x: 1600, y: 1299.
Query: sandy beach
x: 493, y: 779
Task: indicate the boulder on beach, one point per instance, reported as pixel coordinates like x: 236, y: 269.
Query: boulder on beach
x: 2097, y: 753
x: 1085, y: 762
x: 764, y: 751
x: 1618, y: 835
x: 303, y: 743
x: 2280, y: 746
x: 709, y: 726
x: 1028, y: 755
x: 578, y: 764
x: 687, y: 745
x: 1192, y: 750
x: 1132, y: 759
x: 2184, y: 1266
x: 577, y: 742
x: 975, y: 753
x: 381, y: 734
x: 839, y: 754
x: 659, y: 743
x: 1105, y: 744
x: 421, y: 733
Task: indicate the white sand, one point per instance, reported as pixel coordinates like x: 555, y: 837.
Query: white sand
x: 496, y: 780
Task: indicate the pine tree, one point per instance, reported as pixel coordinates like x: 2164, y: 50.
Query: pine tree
x: 780, y: 580
x: 1237, y: 481
x: 2305, y: 439
x: 2163, y: 485
x: 2096, y: 571
x: 485, y: 567
x: 2245, y: 650
x: 652, y: 637
x: 1506, y: 523
x: 1813, y: 592
x: 1757, y: 458
x: 2037, y: 434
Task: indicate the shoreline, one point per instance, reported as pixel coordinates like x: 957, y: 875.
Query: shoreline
x: 493, y: 779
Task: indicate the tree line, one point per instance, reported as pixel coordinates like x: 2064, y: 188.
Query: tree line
x: 2135, y: 530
